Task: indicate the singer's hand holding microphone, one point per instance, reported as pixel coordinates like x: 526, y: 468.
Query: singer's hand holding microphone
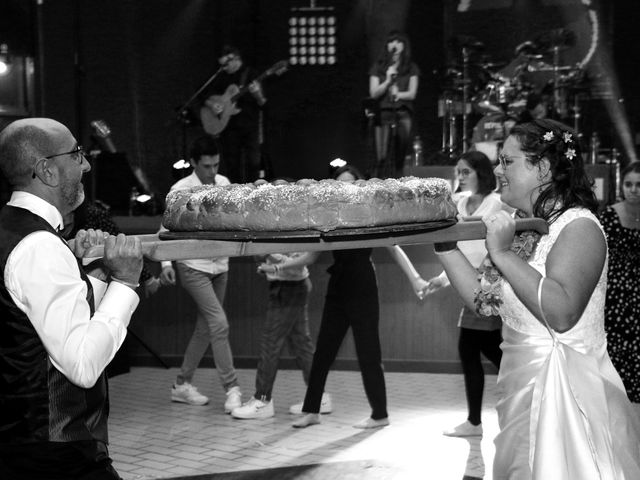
x: 392, y: 73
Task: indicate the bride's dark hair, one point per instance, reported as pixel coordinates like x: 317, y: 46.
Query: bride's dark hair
x: 569, y: 185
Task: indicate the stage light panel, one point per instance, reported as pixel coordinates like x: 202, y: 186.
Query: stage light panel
x: 313, y: 30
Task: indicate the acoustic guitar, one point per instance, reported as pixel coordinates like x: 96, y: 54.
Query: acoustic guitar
x: 214, y: 123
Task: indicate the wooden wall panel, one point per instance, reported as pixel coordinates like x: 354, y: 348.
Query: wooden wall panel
x: 416, y: 335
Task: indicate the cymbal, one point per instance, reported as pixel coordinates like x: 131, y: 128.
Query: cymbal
x: 465, y: 41
x: 550, y: 68
x: 527, y: 48
x: 558, y: 37
x: 492, y: 65
x: 557, y: 48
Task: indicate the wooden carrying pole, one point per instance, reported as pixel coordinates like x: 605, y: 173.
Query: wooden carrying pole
x: 157, y: 249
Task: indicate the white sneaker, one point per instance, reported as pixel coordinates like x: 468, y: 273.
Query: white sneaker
x: 466, y: 429
x: 234, y: 399
x: 254, y: 408
x: 371, y: 423
x: 187, y: 393
x: 326, y: 406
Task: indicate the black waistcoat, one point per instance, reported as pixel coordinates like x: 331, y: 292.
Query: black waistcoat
x: 37, y: 402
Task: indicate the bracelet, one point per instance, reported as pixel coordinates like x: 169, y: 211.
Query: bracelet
x: 445, y: 246
x: 128, y: 284
x: 445, y: 252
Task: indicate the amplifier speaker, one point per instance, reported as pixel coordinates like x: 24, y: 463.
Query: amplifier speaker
x: 112, y: 178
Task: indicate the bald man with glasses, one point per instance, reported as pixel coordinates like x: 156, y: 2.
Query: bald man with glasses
x: 59, y: 325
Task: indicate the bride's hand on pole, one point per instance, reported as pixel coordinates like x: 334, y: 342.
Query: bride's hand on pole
x: 501, y: 228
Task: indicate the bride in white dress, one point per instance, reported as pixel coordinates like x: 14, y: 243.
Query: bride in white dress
x: 563, y: 411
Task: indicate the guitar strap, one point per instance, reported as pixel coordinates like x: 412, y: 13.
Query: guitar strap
x: 243, y: 76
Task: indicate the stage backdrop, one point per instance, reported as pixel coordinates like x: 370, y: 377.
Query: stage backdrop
x: 132, y: 63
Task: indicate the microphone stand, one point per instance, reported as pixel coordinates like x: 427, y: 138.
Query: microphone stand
x: 392, y: 146
x: 183, y: 111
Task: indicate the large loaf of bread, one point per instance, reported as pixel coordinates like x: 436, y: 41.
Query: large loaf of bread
x: 309, y: 205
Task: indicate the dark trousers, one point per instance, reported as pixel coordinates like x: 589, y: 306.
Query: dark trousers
x: 352, y: 301
x: 57, y: 461
x: 471, y: 344
x: 287, y: 321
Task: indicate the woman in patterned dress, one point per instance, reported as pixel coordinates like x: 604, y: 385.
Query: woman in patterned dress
x: 621, y: 223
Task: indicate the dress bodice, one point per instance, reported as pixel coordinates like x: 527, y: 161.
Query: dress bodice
x: 589, y: 330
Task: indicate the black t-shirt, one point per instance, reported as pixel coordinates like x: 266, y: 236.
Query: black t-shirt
x: 402, y: 81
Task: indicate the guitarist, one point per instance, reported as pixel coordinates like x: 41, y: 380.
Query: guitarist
x: 240, y: 137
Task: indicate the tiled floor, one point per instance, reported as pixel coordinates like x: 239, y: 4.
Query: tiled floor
x: 154, y: 438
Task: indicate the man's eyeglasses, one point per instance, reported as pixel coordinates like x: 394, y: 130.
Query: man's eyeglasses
x: 78, y: 153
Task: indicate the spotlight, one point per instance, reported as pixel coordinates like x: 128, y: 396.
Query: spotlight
x: 337, y: 163
x: 312, y: 25
x: 141, y: 203
x: 5, y: 60
x: 181, y: 165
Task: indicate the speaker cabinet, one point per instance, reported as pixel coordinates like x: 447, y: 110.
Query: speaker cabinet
x: 111, y: 180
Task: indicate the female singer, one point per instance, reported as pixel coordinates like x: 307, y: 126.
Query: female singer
x: 393, y: 81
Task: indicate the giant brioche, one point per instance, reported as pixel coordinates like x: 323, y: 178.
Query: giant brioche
x: 309, y: 205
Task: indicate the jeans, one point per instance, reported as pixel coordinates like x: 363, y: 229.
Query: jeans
x: 287, y: 320
x: 208, y: 292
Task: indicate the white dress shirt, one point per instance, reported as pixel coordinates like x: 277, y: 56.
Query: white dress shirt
x: 43, y: 279
x: 214, y: 266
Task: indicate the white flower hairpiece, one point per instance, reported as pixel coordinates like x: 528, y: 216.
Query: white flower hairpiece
x: 570, y: 153
x: 548, y: 136
x: 566, y: 136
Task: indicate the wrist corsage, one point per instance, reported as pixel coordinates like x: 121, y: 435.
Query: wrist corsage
x: 488, y: 298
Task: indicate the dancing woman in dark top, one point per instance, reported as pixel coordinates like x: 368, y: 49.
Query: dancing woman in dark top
x: 351, y: 301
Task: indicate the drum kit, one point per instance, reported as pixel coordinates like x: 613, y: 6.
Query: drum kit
x: 534, y: 84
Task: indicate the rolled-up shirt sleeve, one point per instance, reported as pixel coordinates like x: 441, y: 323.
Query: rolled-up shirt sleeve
x: 43, y: 279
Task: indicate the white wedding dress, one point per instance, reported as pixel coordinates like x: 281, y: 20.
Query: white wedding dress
x: 563, y: 410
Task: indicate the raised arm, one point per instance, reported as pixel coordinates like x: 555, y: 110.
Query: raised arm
x: 419, y: 284
x: 573, y: 268
x: 278, y: 262
x: 462, y: 275
x: 378, y: 88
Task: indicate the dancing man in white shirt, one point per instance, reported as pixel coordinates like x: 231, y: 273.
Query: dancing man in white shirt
x: 206, y: 281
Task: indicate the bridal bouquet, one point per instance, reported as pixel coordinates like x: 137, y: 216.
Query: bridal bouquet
x: 488, y: 297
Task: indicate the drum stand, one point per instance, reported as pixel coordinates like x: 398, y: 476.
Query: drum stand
x: 577, y: 115
x: 449, y: 129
